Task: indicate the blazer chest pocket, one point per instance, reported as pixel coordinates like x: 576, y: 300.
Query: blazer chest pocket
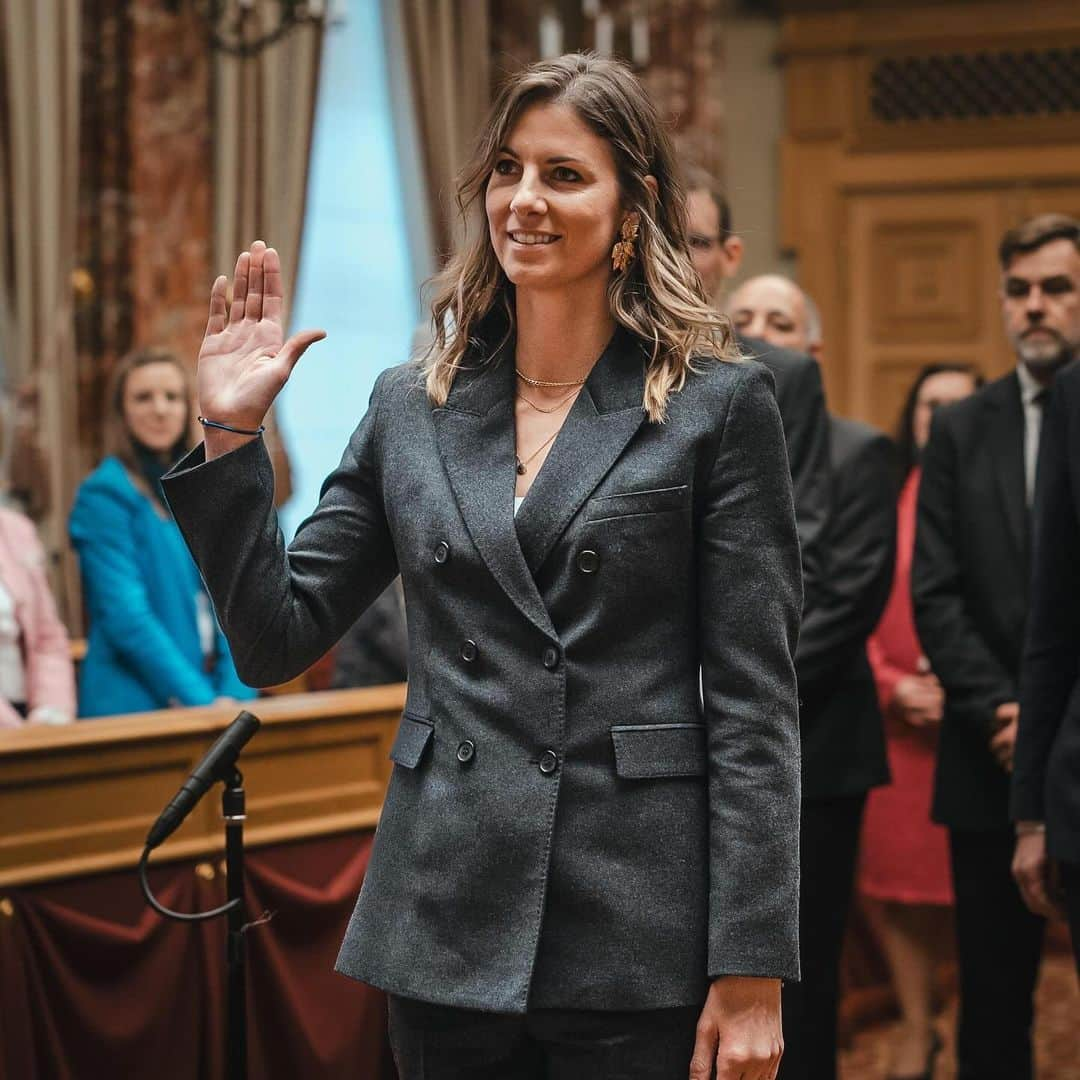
x: 637, y: 503
x: 653, y: 751
x: 413, y: 735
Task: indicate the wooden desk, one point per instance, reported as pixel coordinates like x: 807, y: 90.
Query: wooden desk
x: 79, y: 799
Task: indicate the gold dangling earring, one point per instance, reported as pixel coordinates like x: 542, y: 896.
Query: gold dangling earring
x: 622, y: 254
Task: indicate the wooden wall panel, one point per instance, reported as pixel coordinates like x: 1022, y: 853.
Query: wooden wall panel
x: 896, y: 236
x: 923, y: 288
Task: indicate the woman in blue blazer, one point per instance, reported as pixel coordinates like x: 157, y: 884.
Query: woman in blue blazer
x: 154, y: 642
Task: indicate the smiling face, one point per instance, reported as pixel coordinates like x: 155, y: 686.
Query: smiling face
x: 1040, y: 304
x: 155, y: 405
x: 553, y: 203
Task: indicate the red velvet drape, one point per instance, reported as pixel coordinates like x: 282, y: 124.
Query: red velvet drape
x: 94, y: 984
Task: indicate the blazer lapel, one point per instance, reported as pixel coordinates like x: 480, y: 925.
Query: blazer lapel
x: 602, y: 421
x: 475, y: 433
x: 1006, y: 431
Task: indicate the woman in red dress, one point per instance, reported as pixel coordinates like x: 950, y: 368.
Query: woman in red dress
x: 904, y: 863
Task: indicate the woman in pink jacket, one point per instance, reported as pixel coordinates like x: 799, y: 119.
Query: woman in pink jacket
x: 37, y: 683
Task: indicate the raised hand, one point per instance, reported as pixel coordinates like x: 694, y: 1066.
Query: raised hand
x: 244, y: 361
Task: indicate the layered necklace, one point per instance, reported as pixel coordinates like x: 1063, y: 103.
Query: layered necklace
x: 521, y: 464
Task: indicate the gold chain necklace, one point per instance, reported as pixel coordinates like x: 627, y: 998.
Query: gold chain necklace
x: 520, y: 465
x: 528, y: 401
x: 545, y: 382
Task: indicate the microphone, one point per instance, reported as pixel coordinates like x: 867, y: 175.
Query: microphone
x: 217, y: 764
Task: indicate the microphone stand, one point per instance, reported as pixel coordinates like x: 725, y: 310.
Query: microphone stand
x: 232, y: 809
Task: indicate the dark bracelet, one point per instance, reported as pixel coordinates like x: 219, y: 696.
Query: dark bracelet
x: 228, y: 427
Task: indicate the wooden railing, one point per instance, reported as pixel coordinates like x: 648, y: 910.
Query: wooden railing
x: 79, y: 799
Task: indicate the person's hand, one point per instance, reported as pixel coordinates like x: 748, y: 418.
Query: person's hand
x: 244, y: 362
x: 739, y: 1030
x: 1035, y: 874
x: 919, y: 700
x: 1003, y: 741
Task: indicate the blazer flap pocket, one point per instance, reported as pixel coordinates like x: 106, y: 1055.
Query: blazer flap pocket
x: 412, y: 738
x: 644, y: 751
x: 632, y: 503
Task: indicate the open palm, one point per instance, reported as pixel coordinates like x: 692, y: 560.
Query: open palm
x: 244, y: 360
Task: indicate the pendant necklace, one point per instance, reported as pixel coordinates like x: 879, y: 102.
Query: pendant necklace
x: 520, y: 465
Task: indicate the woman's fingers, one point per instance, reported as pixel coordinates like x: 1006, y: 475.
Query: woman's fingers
x: 253, y: 308
x: 273, y: 291
x: 240, y: 287
x: 706, y: 1038
x: 218, y: 310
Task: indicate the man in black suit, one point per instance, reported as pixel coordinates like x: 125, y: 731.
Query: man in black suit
x: 717, y: 252
x: 970, y: 592
x: 843, y: 745
x: 1045, y: 797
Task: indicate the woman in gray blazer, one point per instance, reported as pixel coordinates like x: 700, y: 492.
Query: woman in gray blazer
x: 586, y: 864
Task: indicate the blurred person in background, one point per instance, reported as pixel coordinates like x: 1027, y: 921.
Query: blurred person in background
x: 904, y: 857
x: 970, y: 580
x: 375, y: 649
x: 153, y: 640
x: 843, y: 751
x: 37, y: 681
x: 717, y: 253
x: 1045, y: 795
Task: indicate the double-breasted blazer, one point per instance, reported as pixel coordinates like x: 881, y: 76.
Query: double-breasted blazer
x: 573, y: 819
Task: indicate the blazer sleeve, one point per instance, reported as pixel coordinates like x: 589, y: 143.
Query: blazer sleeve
x: 974, y: 679
x: 118, y: 602
x: 835, y: 629
x: 1050, y: 665
x: 282, y: 607
x: 52, y: 676
x: 806, y: 433
x: 751, y: 601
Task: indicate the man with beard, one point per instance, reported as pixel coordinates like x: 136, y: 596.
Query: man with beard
x: 717, y: 252
x: 1046, y: 777
x: 970, y: 591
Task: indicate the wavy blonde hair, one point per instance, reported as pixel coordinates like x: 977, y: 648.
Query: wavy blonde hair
x: 659, y: 297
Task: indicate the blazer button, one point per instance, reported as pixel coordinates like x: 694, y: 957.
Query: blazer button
x: 588, y: 562
x: 551, y: 658
x: 549, y: 762
x: 466, y: 751
x: 442, y: 552
x: 469, y: 652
